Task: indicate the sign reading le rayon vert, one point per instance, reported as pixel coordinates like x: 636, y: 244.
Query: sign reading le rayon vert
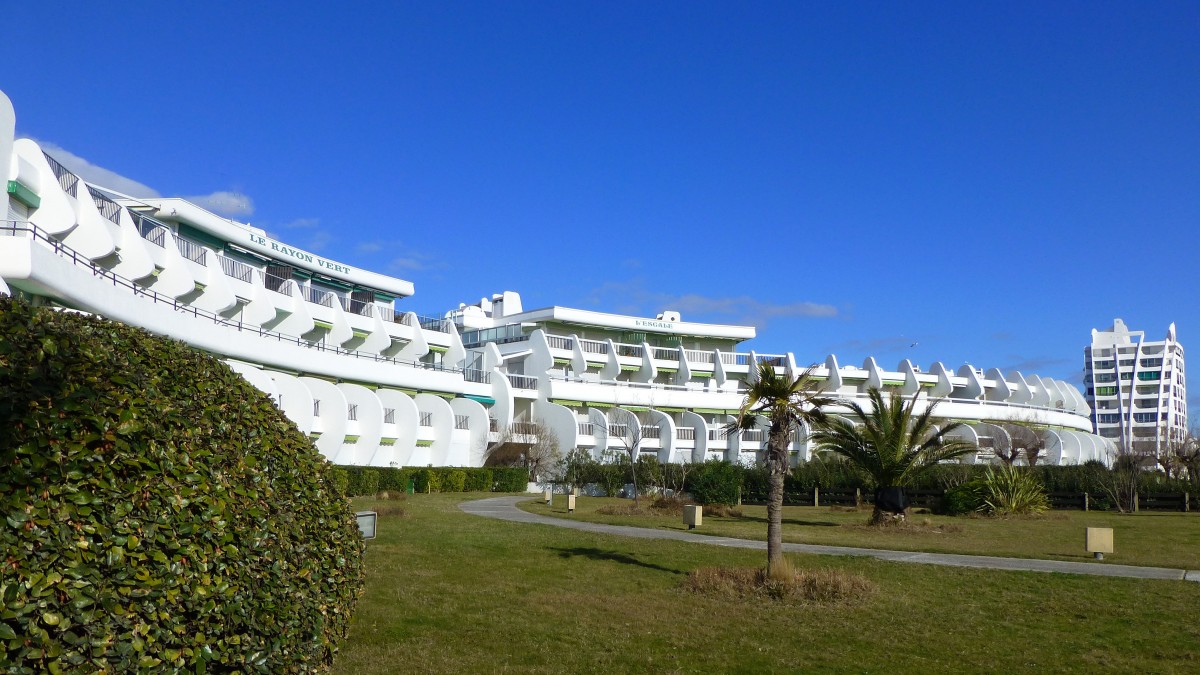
x: 299, y: 255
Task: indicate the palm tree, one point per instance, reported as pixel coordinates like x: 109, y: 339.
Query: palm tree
x: 891, y: 443
x: 788, y: 404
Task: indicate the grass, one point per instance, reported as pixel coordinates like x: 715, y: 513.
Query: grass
x: 1155, y: 539
x: 448, y: 592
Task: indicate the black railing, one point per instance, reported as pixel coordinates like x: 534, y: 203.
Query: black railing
x: 107, y: 207
x: 192, y: 251
x: 68, y: 181
x: 236, y: 269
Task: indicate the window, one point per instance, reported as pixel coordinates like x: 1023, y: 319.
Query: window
x: 1126, y: 362
x: 1126, y: 376
x: 1111, y: 418
x: 1145, y: 417
x: 1106, y: 391
x: 1149, y: 376
x: 1151, y: 363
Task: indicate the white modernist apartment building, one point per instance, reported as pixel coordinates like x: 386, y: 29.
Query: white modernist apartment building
x: 376, y: 384
x: 1137, y: 388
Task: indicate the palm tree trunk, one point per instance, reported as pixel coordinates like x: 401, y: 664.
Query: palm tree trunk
x: 777, y: 465
x: 774, y: 519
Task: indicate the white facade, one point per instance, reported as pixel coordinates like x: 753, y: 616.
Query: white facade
x: 377, y: 385
x: 1136, y: 388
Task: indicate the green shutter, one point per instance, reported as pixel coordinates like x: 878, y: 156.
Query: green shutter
x: 23, y: 194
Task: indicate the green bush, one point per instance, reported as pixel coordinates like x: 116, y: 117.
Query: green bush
x: 1008, y: 490
x: 716, y: 482
x: 962, y: 499
x: 161, y: 513
x: 368, y: 482
x: 454, y: 480
x: 341, y: 480
x: 611, y: 478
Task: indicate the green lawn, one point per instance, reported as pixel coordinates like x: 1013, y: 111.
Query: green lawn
x: 448, y: 592
x: 1156, y: 539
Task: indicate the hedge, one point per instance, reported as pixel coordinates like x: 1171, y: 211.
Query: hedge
x: 364, y: 481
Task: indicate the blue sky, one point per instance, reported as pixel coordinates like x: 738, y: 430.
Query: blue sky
x: 964, y: 182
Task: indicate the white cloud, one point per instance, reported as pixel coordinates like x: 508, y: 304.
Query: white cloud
x: 98, y: 175
x: 369, y: 247
x: 302, y: 224
x: 225, y: 203
x: 632, y: 297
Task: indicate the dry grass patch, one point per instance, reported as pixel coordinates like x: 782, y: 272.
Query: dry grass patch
x: 911, y: 526
x: 722, y: 511
x: 391, y: 511
x: 785, y: 583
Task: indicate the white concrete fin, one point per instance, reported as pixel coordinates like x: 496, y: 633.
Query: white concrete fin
x: 974, y: 385
x: 418, y: 346
x: 1002, y: 390
x: 1021, y: 390
x: 911, y: 384
x: 648, y: 371
x: 456, y: 354
x: 874, y: 374
x: 834, y: 381
x: 612, y: 365
x: 944, y: 386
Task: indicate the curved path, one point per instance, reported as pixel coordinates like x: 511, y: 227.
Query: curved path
x: 505, y: 508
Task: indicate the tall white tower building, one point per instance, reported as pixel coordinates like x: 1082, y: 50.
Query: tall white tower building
x: 1136, y: 387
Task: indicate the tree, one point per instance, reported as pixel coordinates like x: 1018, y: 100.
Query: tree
x: 629, y: 435
x: 891, y: 443
x: 532, y: 445
x: 1020, y: 440
x: 788, y: 405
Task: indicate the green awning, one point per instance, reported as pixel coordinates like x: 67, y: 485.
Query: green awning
x: 562, y: 362
x: 561, y: 401
x: 448, y: 397
x: 323, y: 324
x: 635, y: 408
x: 701, y: 373
x: 594, y: 404
x: 710, y: 411
x: 360, y: 333
x: 439, y: 349
x: 668, y: 370
x: 671, y: 410
x: 486, y: 400
x: 410, y: 392
x: 24, y: 195
x: 424, y: 444
x: 629, y: 369
x: 893, y: 383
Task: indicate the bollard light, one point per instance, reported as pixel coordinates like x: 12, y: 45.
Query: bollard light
x: 693, y: 516
x: 570, y: 503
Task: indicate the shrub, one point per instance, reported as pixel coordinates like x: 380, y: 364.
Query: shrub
x: 478, y: 480
x: 341, y: 481
x: 161, y: 512
x: 510, y: 479
x: 454, y: 480
x: 368, y: 482
x: 962, y: 499
x: 1009, y: 490
x: 716, y: 482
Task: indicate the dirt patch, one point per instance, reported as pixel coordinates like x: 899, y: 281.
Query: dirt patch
x: 786, y: 584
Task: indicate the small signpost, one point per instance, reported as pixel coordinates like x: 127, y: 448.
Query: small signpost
x: 548, y: 495
x: 570, y: 503
x: 366, y: 523
x: 693, y: 516
x: 1099, y: 541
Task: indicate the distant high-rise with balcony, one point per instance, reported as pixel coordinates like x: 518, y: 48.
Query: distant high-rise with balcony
x: 1136, y: 388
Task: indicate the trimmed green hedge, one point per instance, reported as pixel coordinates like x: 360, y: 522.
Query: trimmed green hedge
x: 159, y: 513
x: 368, y: 481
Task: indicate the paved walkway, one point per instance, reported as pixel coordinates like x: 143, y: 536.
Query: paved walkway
x: 505, y: 508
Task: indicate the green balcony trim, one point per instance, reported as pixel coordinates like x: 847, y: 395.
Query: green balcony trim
x: 670, y: 410
x: 424, y: 444
x: 439, y: 349
x: 630, y: 369
x: 358, y: 333
x: 23, y: 194
x: 567, y: 402
x: 323, y: 324
x: 596, y: 404
x: 636, y: 408
x: 387, y: 441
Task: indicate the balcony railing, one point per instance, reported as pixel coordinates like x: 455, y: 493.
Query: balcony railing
x: 426, y: 419
x: 501, y: 335
x: 735, y: 359
x: 587, y: 429
x: 276, y: 283
x: 593, y: 346
x: 192, y: 251
x: 618, y: 430
x: 650, y: 431
x: 462, y: 422
x: 697, y: 356
x: 236, y: 269
x: 352, y: 412
x: 634, y: 351
x: 316, y: 407
x: 317, y: 296
x: 524, y: 428
x: 433, y: 323
x: 523, y: 381
x: 558, y: 342
x: 389, y: 415
x: 479, y: 376
x: 664, y: 354
x: 107, y: 207
x: 685, y: 433
x: 68, y: 181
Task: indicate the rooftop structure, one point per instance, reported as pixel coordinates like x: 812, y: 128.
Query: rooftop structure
x: 375, y: 383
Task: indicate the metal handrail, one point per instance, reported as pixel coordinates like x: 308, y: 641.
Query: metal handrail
x: 68, y: 181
